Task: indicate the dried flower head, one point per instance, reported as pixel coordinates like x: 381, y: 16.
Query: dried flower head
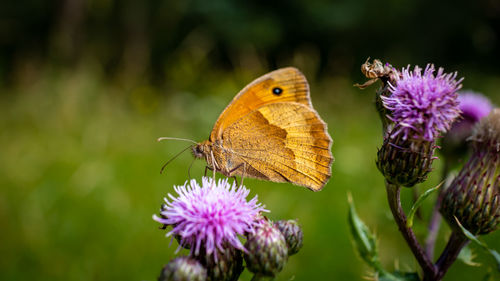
x: 423, y: 105
x: 209, y: 216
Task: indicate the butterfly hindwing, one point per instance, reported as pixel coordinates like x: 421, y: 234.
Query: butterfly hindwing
x: 283, y: 142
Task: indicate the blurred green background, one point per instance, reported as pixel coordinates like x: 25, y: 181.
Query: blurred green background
x: 86, y: 87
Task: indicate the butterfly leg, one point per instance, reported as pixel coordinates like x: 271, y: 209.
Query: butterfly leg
x: 235, y: 179
x: 206, y: 169
x: 242, y: 175
x: 214, y: 164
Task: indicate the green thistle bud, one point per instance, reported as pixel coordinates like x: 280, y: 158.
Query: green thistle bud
x: 293, y: 235
x: 183, y: 269
x: 227, y: 266
x: 267, y: 252
x: 405, y: 162
x: 473, y: 196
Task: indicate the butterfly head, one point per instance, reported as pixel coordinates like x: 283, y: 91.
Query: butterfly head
x: 201, y: 150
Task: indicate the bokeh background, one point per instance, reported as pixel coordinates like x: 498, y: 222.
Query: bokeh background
x: 86, y: 87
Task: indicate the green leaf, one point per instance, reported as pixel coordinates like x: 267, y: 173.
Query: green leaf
x: 420, y: 200
x: 474, y: 239
x: 364, y: 240
x: 400, y: 276
x: 496, y: 256
x: 467, y: 256
x: 366, y: 244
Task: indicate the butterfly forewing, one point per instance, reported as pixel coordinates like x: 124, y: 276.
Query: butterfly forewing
x: 282, y: 85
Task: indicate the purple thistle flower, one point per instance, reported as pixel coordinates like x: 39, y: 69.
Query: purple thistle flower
x: 422, y: 105
x: 209, y: 216
x: 474, y: 106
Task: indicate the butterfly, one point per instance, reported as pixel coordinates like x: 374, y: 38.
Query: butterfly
x: 270, y: 131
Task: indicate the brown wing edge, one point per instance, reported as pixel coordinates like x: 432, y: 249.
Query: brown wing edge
x: 330, y: 144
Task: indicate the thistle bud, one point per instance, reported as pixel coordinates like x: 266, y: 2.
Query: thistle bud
x: 183, y: 269
x: 293, y: 235
x: 473, y: 196
x: 267, y: 251
x: 227, y: 265
x: 405, y: 162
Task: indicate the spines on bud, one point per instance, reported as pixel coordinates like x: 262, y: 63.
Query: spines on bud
x: 227, y: 265
x: 405, y: 162
x: 473, y: 196
x: 487, y: 132
x: 293, y: 234
x: 267, y: 251
x: 183, y: 269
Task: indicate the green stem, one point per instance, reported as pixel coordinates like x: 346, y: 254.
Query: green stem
x: 435, y: 220
x: 393, y: 197
x: 450, y: 253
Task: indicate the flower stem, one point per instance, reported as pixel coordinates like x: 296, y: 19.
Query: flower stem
x: 435, y: 220
x: 434, y: 224
x: 393, y: 197
x: 450, y: 253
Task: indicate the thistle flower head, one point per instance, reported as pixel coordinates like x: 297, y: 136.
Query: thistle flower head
x: 209, y: 216
x: 422, y: 105
x: 474, y: 106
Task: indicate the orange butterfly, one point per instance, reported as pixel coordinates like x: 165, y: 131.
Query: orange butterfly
x: 270, y: 131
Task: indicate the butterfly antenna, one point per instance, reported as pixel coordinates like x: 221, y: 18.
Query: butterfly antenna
x: 179, y: 139
x: 189, y: 169
x: 171, y: 159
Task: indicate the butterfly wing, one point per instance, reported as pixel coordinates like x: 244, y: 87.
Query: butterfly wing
x: 282, y: 85
x: 282, y: 142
